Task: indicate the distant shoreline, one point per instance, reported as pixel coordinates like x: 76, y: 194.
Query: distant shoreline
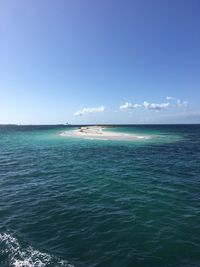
x: 101, y: 125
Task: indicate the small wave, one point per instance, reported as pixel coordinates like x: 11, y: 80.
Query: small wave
x: 16, y: 256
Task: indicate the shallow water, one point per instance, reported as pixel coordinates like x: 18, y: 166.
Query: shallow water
x: 76, y: 202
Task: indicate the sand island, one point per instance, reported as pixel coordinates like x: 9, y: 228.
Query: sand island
x: 101, y: 133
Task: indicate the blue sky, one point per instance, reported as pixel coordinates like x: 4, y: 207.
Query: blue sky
x: 91, y: 61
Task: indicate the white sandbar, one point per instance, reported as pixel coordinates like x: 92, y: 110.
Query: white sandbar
x: 97, y: 132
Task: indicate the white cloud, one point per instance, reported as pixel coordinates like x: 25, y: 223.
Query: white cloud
x: 169, y: 98
x: 180, y: 103
x: 89, y: 110
x: 157, y: 107
x: 146, y: 105
x: 128, y: 105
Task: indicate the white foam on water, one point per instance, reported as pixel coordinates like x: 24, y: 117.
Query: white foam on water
x: 27, y: 257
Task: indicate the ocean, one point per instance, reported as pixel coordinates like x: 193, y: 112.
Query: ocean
x: 79, y: 202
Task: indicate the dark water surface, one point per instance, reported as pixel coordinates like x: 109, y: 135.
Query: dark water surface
x: 76, y: 202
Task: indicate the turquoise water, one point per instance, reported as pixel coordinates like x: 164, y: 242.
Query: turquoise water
x: 75, y: 202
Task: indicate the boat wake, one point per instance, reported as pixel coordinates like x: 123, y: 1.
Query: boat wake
x: 13, y: 254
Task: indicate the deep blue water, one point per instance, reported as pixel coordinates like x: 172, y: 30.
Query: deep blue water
x: 76, y: 202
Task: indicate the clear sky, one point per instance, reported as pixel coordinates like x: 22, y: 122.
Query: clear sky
x: 99, y: 61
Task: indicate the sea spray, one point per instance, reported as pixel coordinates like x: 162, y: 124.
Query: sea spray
x: 18, y: 256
